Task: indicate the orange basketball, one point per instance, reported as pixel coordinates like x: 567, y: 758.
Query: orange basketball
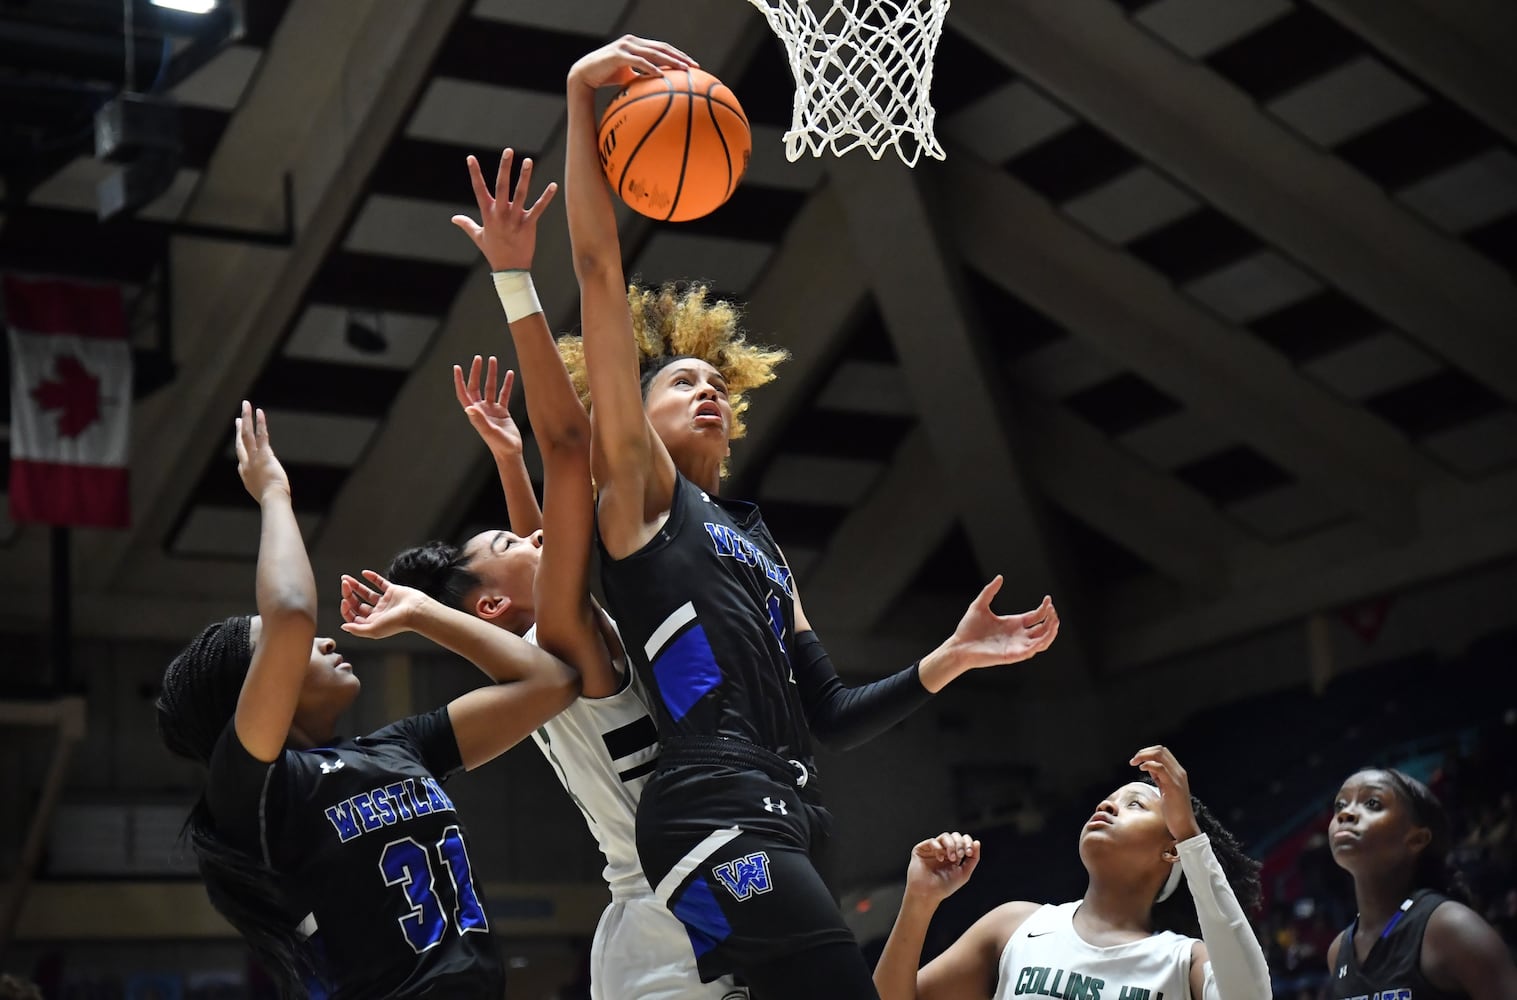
x: 675, y: 146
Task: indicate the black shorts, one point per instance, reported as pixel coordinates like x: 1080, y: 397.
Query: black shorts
x: 732, y: 851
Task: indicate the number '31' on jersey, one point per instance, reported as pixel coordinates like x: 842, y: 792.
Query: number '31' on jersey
x: 371, y: 854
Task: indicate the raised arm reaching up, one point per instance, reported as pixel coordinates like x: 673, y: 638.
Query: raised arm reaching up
x: 489, y: 413
x: 568, y: 623
x: 630, y: 463
x: 939, y: 867
x: 507, y: 237
x: 286, y: 592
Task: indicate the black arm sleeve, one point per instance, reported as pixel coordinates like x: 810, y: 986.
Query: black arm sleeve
x: 845, y: 717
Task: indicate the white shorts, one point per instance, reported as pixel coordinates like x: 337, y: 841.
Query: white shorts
x: 641, y: 952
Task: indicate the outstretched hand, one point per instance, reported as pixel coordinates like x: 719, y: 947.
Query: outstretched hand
x: 489, y: 411
x: 378, y: 609
x: 940, y: 866
x: 256, y: 462
x: 1174, y: 789
x: 622, y: 61
x: 507, y: 229
x: 986, y: 639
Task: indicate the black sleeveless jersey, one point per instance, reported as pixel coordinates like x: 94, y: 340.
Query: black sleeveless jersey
x: 1393, y: 968
x: 708, y: 618
x: 371, y: 856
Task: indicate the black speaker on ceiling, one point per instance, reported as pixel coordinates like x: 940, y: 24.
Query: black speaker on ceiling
x: 133, y: 125
x: 141, y: 133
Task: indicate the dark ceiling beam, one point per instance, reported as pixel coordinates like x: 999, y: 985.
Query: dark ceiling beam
x: 330, y: 96
x: 1461, y: 47
x: 859, y: 577
x: 68, y: 54
x: 805, y: 301
x: 1462, y: 528
x: 512, y: 55
x: 63, y: 242
x: 1136, y: 317
x: 426, y: 169
x: 954, y: 385
x: 1194, y: 125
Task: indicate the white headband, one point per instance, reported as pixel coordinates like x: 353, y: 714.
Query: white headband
x: 1172, y: 883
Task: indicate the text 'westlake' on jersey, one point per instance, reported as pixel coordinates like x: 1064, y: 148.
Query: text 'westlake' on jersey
x: 372, y: 853
x: 707, y: 612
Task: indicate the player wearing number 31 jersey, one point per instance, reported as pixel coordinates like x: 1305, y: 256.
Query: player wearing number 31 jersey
x: 364, y: 831
x: 342, y: 862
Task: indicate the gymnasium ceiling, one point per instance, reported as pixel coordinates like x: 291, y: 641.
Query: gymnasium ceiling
x: 1208, y: 320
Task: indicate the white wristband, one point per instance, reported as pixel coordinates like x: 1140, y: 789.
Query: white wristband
x: 516, y: 293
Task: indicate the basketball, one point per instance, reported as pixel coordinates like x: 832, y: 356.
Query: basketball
x: 674, y: 147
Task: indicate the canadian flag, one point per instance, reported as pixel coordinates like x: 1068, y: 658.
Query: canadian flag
x: 71, y: 395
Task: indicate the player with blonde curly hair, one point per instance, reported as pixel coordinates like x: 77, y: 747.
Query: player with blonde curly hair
x: 677, y: 321
x: 730, y: 822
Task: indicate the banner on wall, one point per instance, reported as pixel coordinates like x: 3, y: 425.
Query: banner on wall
x: 71, y: 399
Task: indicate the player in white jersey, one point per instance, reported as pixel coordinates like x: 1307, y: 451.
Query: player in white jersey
x: 605, y: 744
x: 1162, y: 917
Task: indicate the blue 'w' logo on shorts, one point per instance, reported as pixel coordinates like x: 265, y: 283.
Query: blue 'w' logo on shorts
x: 745, y: 877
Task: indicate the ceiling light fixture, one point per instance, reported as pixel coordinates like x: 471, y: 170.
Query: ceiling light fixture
x: 188, y: 6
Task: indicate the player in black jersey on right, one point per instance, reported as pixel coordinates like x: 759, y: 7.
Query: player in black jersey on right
x: 1410, y: 941
x: 729, y: 823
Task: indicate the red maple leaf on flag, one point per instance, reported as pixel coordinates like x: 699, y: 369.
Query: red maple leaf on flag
x: 74, y: 392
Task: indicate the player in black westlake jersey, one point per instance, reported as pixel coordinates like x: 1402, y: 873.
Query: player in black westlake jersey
x: 342, y: 862
x: 729, y: 824
x: 1410, y: 941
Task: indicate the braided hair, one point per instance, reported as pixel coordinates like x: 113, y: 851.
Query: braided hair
x: 199, y: 699
x: 201, y: 687
x: 1178, y: 912
x: 437, y: 569
x: 1433, y: 870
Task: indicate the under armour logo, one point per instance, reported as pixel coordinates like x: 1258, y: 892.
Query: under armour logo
x: 328, y: 766
x: 1342, y: 972
x: 705, y: 497
x: 745, y: 877
x: 775, y: 806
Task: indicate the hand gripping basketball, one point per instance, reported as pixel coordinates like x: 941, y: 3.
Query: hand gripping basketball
x: 675, y: 146
x: 675, y: 142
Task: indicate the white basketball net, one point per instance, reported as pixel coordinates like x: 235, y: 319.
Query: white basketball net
x: 863, y: 74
